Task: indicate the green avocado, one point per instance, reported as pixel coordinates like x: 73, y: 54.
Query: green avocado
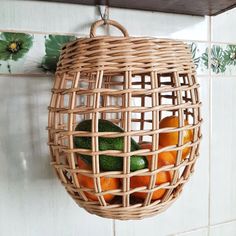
x: 108, y: 163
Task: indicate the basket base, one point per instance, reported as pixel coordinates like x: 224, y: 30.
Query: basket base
x: 133, y: 212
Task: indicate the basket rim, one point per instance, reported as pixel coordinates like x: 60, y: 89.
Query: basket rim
x: 122, y: 38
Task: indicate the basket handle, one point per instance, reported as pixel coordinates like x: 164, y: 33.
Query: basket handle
x: 98, y: 23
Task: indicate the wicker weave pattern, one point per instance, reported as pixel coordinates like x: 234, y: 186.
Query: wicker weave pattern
x: 133, y: 82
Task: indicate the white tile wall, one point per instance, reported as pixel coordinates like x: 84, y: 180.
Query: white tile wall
x: 32, y: 201
x: 175, y: 26
x: 222, y: 26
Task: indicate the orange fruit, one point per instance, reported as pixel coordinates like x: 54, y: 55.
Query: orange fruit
x: 165, y: 158
x: 171, y: 138
x: 107, y: 183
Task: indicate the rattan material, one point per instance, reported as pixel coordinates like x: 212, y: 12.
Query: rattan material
x: 133, y: 82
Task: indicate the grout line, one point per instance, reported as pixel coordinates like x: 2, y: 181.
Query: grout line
x: 223, y: 222
x: 216, y: 76
x: 203, y: 227
x: 52, y: 76
x: 44, y: 32
x: 28, y: 75
x: 87, y: 35
x: 189, y: 231
x: 207, y: 41
x: 114, y: 227
x: 226, y: 43
x: 210, y: 120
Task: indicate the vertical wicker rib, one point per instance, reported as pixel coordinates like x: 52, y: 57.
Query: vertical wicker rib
x: 133, y: 82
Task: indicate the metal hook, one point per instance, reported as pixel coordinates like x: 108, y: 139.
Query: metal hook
x: 104, y: 13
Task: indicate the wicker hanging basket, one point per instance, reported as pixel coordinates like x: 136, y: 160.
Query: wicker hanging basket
x: 124, y: 123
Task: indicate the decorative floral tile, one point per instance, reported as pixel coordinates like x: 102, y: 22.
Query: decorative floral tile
x: 198, y: 50
x: 22, y: 53
x: 13, y: 47
x: 223, y: 59
x: 53, y: 45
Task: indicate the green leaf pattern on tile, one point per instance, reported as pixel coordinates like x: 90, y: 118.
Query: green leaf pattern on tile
x: 196, y: 59
x: 204, y: 58
x: 14, y: 46
x: 217, y: 59
x: 53, y: 45
x: 230, y: 55
x: 218, y: 64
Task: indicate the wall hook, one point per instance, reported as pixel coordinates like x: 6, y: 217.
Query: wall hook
x: 104, y: 13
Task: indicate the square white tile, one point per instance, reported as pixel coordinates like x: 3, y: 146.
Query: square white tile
x: 223, y: 161
x: 69, y: 18
x: 164, y: 25
x: 200, y: 232
x: 222, y: 26
x: 190, y: 211
x: 227, y: 229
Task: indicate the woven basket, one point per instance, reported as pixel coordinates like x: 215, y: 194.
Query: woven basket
x: 134, y: 82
